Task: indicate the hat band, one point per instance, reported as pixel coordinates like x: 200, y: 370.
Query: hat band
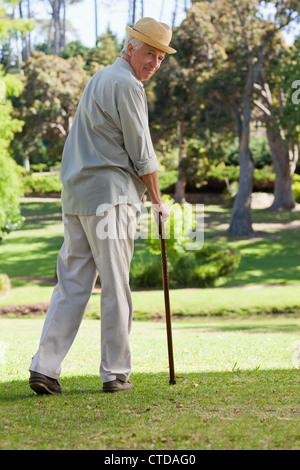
x: 142, y: 34
x: 146, y: 36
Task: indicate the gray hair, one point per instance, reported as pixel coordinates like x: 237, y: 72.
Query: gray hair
x: 137, y: 44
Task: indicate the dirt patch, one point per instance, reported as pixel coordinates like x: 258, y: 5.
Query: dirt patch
x: 41, y: 280
x: 39, y: 308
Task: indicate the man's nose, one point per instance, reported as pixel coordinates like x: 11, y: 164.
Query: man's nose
x: 155, y: 61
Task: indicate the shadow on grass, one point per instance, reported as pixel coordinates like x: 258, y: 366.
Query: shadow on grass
x: 260, y: 264
x: 40, y: 214
x: 254, y: 328
x: 38, y: 259
x: 204, y: 410
x: 155, y: 386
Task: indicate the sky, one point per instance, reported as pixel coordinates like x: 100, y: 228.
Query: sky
x: 115, y: 15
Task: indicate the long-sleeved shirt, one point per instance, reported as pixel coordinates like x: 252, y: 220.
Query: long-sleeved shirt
x: 109, y: 146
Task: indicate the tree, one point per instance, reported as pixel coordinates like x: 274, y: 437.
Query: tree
x: 105, y: 53
x: 74, y: 49
x: 280, y: 113
x: 243, y: 33
x: 10, y: 182
x: 177, y: 110
x: 52, y: 89
x: 26, y: 38
x: 11, y: 28
x: 56, y: 28
x: 58, y: 21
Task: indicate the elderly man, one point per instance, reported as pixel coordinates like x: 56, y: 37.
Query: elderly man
x: 108, y: 162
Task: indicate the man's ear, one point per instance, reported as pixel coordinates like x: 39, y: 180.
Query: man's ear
x: 129, y: 49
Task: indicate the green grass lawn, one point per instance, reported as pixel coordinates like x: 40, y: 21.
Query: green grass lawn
x: 237, y: 374
x: 32, y: 251
x: 237, y: 388
x: 272, y: 257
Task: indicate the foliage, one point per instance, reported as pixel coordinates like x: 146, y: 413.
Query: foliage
x: 210, y: 265
x: 167, y: 179
x: 10, y: 192
x: 42, y: 183
x: 9, y: 86
x: 9, y: 25
x: 259, y: 148
x: 52, y: 88
x: 231, y: 173
x: 10, y: 176
x: 287, y: 108
x: 104, y: 54
x: 296, y: 189
x: 74, y: 49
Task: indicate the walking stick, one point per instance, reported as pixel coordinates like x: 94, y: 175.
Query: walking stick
x: 172, y: 380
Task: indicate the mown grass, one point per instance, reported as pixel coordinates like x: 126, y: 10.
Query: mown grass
x: 271, y: 257
x: 237, y: 388
x: 237, y: 375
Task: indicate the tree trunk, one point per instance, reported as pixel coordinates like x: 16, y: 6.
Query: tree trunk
x: 174, y: 13
x: 181, y: 180
x: 96, y: 21
x: 28, y: 42
x: 62, y: 39
x: 284, y: 153
x: 56, y: 22
x: 284, y: 161
x: 26, y: 161
x: 241, y: 220
x: 180, y: 187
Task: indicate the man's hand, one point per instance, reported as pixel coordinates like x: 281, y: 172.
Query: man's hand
x: 163, y: 209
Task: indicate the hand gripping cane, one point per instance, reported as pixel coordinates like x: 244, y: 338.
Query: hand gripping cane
x: 172, y: 380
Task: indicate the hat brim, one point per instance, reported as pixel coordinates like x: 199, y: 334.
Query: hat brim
x: 151, y: 42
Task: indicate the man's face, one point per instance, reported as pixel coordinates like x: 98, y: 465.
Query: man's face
x: 145, y: 61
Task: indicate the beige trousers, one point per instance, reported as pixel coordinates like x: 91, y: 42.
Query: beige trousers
x: 85, y: 253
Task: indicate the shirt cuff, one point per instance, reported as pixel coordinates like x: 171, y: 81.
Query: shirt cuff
x: 144, y: 167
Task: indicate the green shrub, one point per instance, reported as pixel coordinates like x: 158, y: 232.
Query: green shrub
x: 10, y: 191
x: 296, y: 189
x: 232, y: 173
x: 39, y: 167
x: 146, y: 275
x: 167, y: 179
x: 209, y: 266
x: 42, y: 183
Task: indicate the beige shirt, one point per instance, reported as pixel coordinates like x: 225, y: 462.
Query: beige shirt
x: 109, y: 146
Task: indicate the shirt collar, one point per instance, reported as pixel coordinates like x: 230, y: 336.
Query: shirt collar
x: 123, y: 63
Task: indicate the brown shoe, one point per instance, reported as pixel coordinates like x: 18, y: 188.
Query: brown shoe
x: 42, y: 384
x: 116, y: 386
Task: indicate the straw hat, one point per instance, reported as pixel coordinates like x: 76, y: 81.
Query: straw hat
x: 153, y: 33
